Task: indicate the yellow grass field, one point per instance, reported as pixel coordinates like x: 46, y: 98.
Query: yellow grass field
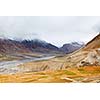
x: 76, y: 75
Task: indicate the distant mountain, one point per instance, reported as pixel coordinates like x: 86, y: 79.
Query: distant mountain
x: 40, y: 46
x: 8, y: 46
x: 71, y: 47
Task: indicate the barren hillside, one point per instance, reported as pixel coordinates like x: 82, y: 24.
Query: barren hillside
x: 86, y: 56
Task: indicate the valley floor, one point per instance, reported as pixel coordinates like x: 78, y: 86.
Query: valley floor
x: 49, y: 69
x: 88, y: 74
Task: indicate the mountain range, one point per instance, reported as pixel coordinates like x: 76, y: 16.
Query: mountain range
x: 82, y: 65
x: 8, y: 46
x: 88, y: 55
x: 71, y: 47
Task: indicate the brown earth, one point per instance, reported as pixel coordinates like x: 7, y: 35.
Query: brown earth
x: 75, y: 75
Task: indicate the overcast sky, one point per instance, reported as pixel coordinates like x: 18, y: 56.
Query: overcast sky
x: 56, y: 29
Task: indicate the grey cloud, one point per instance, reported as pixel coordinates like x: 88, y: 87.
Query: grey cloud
x: 54, y: 29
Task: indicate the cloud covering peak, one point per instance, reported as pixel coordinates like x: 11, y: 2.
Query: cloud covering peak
x: 54, y: 29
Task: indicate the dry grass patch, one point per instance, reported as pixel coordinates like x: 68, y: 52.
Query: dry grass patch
x: 83, y: 74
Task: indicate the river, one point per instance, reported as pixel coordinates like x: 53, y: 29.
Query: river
x: 9, y: 64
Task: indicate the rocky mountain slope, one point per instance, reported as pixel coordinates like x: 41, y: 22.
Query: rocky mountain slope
x: 71, y: 47
x: 8, y: 46
x: 89, y: 55
x: 40, y: 46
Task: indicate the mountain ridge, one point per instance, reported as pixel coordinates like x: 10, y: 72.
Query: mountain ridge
x: 8, y: 46
x: 71, y: 47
